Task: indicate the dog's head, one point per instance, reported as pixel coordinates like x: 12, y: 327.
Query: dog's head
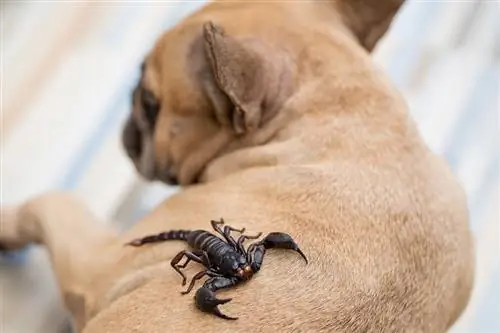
x: 204, y: 92
x: 197, y: 100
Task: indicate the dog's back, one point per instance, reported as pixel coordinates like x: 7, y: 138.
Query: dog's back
x: 388, y: 252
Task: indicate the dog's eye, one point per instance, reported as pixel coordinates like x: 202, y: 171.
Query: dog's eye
x: 151, y: 107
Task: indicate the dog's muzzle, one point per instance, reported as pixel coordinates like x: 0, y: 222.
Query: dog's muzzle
x: 132, y: 139
x: 140, y: 150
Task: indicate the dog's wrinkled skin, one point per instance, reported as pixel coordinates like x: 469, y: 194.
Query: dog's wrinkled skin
x: 273, y: 117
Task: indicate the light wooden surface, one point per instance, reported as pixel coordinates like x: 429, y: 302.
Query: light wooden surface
x: 67, y: 71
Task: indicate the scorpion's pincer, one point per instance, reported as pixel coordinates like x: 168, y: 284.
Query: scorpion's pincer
x: 208, y: 302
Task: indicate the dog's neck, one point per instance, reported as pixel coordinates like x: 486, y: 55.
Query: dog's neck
x: 343, y: 125
x: 342, y: 112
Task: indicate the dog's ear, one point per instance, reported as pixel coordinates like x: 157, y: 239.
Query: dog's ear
x: 245, y: 75
x: 369, y: 20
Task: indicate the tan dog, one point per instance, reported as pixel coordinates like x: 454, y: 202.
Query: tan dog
x: 275, y: 118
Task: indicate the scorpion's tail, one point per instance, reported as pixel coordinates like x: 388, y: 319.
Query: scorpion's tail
x: 161, y: 237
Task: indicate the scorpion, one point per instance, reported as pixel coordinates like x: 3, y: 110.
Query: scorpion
x: 227, y: 263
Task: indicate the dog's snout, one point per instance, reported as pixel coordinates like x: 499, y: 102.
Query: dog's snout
x: 173, y: 180
x: 131, y: 139
x: 168, y: 177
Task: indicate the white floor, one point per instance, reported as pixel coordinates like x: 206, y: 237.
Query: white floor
x: 67, y: 70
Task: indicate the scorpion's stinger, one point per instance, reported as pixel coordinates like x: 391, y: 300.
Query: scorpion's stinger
x: 135, y: 242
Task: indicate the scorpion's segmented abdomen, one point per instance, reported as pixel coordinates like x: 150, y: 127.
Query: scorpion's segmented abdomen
x: 202, y: 240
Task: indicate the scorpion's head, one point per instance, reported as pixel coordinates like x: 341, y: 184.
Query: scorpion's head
x: 237, y: 266
x: 245, y: 273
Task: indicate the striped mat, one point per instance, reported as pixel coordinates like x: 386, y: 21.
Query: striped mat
x: 67, y: 72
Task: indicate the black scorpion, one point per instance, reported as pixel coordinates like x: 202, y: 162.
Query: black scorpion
x: 227, y: 262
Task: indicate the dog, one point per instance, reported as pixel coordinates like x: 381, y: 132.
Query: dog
x: 274, y: 117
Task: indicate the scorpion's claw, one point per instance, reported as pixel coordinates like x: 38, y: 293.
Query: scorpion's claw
x: 207, y: 302
x: 302, y: 254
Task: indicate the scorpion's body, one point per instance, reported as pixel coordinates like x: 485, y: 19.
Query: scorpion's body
x: 228, y: 262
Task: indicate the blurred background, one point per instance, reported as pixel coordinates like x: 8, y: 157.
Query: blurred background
x: 68, y: 68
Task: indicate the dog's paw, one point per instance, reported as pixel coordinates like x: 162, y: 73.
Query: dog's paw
x: 10, y: 239
x: 12, y: 250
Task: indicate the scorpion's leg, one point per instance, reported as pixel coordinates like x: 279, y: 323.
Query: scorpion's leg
x: 206, y: 299
x: 205, y: 258
x: 243, y: 238
x: 227, y: 231
x: 274, y: 240
x: 198, y: 276
x: 201, y: 254
x: 194, y: 256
